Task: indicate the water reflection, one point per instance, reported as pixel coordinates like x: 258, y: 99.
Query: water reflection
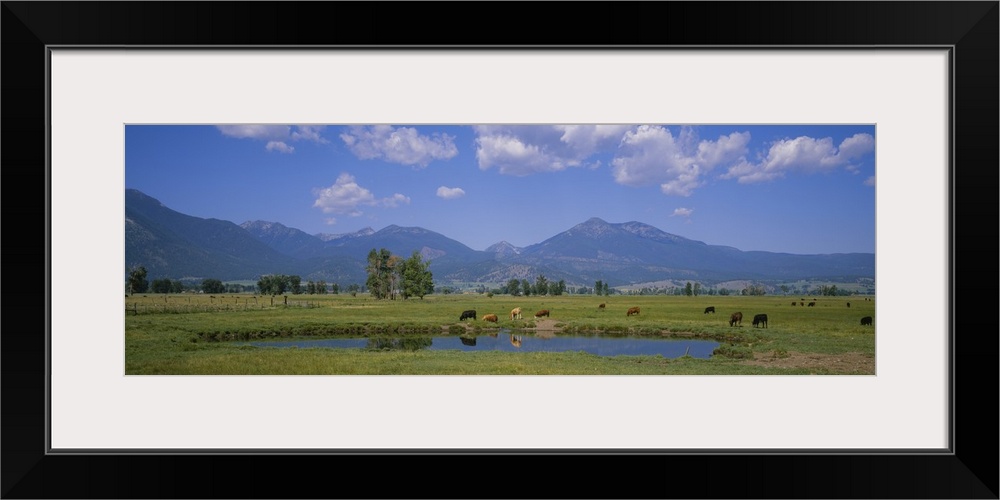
x: 521, y: 342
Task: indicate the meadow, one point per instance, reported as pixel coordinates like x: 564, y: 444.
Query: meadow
x: 201, y: 334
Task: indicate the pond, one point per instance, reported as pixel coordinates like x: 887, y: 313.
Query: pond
x: 510, y: 341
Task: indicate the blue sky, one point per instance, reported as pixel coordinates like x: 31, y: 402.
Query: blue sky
x: 803, y: 189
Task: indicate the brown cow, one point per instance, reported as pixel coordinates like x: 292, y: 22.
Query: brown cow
x: 601, y: 307
x: 492, y: 318
x: 515, y: 313
x: 736, y: 319
x: 631, y: 311
x: 543, y: 312
x: 811, y: 304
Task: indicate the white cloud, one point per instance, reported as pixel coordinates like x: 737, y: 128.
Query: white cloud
x: 651, y: 154
x: 329, y: 221
x: 395, y: 201
x: 803, y: 155
x: 260, y: 132
x: 401, y: 145
x: 530, y: 149
x: 343, y: 197
x: 450, y: 193
x: 870, y: 181
x: 277, y: 136
x: 279, y: 146
x: 682, y: 212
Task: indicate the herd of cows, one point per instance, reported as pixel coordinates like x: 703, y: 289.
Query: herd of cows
x: 735, y: 319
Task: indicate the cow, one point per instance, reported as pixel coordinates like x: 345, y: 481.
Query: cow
x: 848, y: 304
x: 492, y: 318
x: 515, y: 313
x: 736, y: 319
x: 515, y: 341
x: 867, y: 320
x: 811, y: 304
x: 709, y: 309
x: 631, y: 311
x: 471, y: 313
x: 543, y: 312
x: 793, y: 304
x: 602, y: 306
x: 802, y: 303
x: 760, y: 319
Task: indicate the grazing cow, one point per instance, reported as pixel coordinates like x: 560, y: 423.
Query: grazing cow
x: 543, y: 312
x: 631, y: 311
x: 736, y: 319
x: 812, y: 304
x: 515, y: 341
x: 492, y: 318
x: 709, y: 309
x: 793, y: 304
x: 848, y: 304
x: 601, y: 307
x: 867, y: 320
x: 471, y: 313
x: 760, y: 319
x: 515, y: 313
x: 802, y: 303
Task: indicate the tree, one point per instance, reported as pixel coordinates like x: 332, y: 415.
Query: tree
x: 526, y: 287
x: 379, y: 273
x: 417, y: 279
x: 514, y: 287
x: 212, y: 285
x: 697, y: 289
x: 353, y: 289
x: 599, y: 287
x: 687, y: 289
x: 296, y: 284
x: 160, y: 286
x: 137, y: 280
x: 541, y: 285
x: 607, y: 289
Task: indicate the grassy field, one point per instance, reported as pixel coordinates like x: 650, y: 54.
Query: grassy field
x: 199, y: 334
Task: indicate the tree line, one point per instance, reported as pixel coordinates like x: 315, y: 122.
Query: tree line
x: 391, y: 276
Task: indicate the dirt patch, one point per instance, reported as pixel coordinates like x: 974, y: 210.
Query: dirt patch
x: 847, y: 363
x: 546, y: 325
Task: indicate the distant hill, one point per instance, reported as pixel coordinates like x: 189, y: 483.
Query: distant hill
x: 175, y: 245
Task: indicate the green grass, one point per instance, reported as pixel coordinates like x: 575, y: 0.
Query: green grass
x: 195, y: 334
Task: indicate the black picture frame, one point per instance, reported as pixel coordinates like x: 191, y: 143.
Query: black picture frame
x: 970, y: 28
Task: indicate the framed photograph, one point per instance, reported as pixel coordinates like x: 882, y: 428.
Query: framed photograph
x: 908, y: 113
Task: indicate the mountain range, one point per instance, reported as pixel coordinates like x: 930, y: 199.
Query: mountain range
x: 173, y: 245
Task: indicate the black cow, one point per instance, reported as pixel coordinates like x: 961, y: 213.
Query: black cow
x: 867, y: 320
x: 760, y: 319
x: 848, y: 304
x: 811, y: 304
x: 471, y: 313
x: 709, y: 309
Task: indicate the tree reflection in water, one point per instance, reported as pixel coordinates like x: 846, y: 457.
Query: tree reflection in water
x: 400, y: 343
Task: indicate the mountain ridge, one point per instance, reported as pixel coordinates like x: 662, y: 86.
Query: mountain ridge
x: 617, y: 253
